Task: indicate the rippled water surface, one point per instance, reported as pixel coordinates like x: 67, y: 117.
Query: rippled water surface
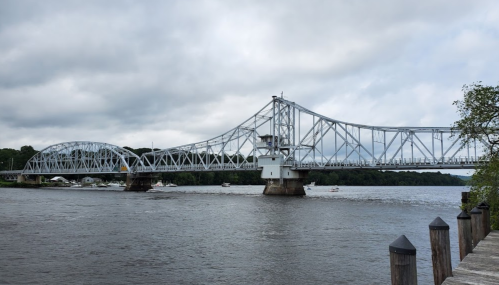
x: 215, y: 235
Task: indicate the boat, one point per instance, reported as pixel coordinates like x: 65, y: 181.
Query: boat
x: 159, y: 184
x: 334, y: 189
x: 153, y: 191
x: 113, y: 184
x: 101, y: 185
x: 225, y: 184
x: 307, y: 187
x: 171, y: 185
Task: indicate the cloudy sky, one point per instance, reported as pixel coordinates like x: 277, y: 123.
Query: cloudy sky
x: 137, y: 73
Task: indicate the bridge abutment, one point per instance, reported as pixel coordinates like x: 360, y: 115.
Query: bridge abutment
x: 139, y: 182
x: 23, y: 179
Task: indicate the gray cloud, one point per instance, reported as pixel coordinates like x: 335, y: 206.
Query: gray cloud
x: 174, y: 72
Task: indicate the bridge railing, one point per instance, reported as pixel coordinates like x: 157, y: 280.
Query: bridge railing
x: 74, y: 171
x: 198, y: 167
x: 449, y: 162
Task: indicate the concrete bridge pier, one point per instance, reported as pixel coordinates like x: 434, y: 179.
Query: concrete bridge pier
x: 23, y: 179
x: 288, y: 187
x: 281, y: 180
x: 139, y: 182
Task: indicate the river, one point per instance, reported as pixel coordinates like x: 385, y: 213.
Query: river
x: 217, y: 235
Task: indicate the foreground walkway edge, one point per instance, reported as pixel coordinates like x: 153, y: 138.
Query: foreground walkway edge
x: 481, y: 266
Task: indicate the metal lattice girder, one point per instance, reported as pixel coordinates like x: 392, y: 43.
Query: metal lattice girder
x: 10, y: 175
x: 233, y: 150
x: 308, y: 140
x: 81, y: 157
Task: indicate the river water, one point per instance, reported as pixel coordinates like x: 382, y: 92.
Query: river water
x: 217, y: 235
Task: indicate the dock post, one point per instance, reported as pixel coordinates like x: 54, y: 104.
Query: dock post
x: 476, y: 226
x: 403, y: 262
x: 464, y: 234
x: 465, y: 196
x: 440, y: 250
x: 485, y: 218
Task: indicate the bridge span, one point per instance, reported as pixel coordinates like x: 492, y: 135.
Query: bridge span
x: 283, y: 139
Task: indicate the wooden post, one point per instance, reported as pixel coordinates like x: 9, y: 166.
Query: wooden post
x: 464, y: 234
x: 476, y: 226
x: 440, y: 250
x: 403, y: 262
x: 464, y: 199
x: 485, y: 218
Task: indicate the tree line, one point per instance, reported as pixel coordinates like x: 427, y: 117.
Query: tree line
x: 337, y: 177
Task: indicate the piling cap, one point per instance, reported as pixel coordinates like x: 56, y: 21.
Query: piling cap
x: 438, y: 224
x: 476, y: 211
x: 483, y: 205
x: 463, y: 216
x: 402, y: 246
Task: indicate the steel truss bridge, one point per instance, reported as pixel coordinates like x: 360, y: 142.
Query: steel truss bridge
x: 290, y: 134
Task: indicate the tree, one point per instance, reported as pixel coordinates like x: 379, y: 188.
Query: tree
x: 479, y: 111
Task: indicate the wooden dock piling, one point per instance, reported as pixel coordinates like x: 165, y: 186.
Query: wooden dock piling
x: 440, y: 250
x: 464, y: 234
x: 403, y: 262
x: 476, y: 226
x: 485, y: 218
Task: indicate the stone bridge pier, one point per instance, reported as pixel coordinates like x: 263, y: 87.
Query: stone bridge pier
x: 24, y: 179
x: 281, y: 180
x: 139, y: 182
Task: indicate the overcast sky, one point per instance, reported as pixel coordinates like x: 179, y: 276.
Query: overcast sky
x: 137, y: 73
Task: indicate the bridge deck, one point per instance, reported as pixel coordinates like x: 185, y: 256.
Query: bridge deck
x: 481, y: 266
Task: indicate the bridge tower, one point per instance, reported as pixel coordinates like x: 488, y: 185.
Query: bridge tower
x: 276, y: 166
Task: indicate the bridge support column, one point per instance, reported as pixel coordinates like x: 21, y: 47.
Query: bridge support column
x: 23, y: 179
x: 288, y: 187
x: 281, y: 180
x: 139, y: 182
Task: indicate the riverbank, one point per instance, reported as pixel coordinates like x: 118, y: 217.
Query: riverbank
x: 6, y: 184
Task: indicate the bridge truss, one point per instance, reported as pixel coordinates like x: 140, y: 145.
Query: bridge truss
x: 79, y: 157
x: 305, y: 140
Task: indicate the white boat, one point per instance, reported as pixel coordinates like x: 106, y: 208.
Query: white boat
x: 153, y: 191
x: 113, y: 184
x: 159, y: 184
x: 101, y: 185
x: 334, y: 189
x: 225, y: 184
x: 171, y: 185
x: 307, y: 187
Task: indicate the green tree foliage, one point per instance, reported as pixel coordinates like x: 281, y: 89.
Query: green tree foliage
x: 479, y: 111
x: 15, y: 159
x: 383, y: 178
x: 340, y: 177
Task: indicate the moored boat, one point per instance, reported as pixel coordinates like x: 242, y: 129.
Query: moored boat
x: 334, y: 189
